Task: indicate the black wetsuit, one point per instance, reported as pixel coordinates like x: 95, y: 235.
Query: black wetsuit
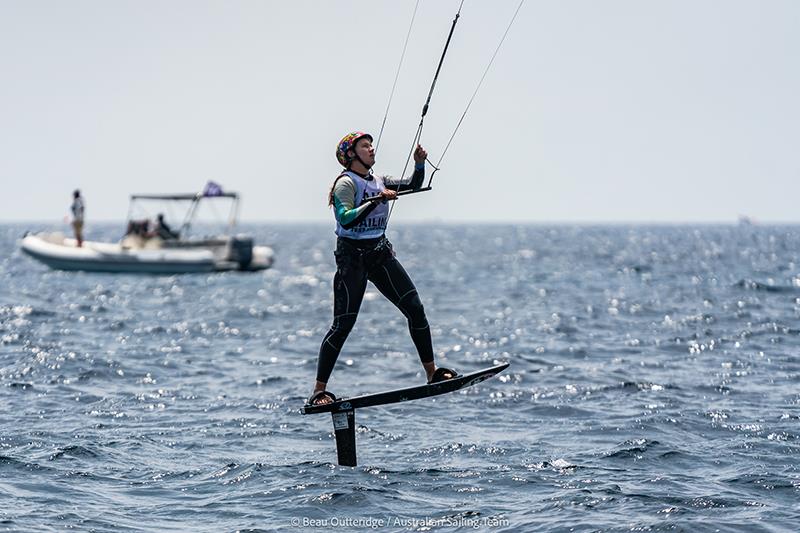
x: 373, y: 259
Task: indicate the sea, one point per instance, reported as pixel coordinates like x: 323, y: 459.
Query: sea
x: 654, y: 385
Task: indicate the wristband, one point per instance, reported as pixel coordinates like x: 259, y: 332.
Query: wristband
x: 419, y: 166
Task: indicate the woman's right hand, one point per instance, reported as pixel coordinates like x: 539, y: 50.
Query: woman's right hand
x: 388, y: 194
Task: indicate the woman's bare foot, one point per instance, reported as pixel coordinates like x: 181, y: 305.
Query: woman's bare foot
x: 320, y: 396
x: 430, y: 372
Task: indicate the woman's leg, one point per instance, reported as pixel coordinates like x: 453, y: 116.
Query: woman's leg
x: 392, y: 280
x: 349, y: 285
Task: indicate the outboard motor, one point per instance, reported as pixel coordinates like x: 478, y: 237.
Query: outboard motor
x: 241, y: 251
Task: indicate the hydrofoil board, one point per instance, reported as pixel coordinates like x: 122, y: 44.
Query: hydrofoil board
x: 343, y: 410
x: 404, y: 395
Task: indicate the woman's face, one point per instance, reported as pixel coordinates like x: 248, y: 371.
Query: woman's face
x: 365, y: 152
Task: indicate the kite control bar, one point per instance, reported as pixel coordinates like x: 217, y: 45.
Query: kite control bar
x: 401, y: 193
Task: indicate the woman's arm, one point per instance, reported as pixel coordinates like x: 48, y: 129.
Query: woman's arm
x: 416, y: 179
x: 405, y: 184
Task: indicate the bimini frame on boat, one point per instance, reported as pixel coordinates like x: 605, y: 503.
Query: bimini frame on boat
x: 155, y: 248
x: 194, y: 200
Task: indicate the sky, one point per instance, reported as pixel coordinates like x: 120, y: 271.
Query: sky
x: 593, y: 111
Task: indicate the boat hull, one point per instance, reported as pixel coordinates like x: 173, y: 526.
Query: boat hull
x: 61, y: 253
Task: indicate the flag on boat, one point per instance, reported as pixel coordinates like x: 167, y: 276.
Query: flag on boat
x: 212, y: 189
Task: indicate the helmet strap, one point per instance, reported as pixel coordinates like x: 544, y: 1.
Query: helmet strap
x: 368, y: 167
x: 358, y: 158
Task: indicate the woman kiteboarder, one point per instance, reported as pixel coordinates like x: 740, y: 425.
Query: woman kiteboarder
x: 363, y: 253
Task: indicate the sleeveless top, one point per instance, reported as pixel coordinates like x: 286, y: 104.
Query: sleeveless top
x: 374, y: 224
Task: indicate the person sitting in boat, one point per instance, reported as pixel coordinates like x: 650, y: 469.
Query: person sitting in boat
x: 137, y: 228
x: 360, y: 205
x: 163, y: 230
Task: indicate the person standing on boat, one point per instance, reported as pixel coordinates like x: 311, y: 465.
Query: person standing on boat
x: 77, y: 216
x: 363, y: 253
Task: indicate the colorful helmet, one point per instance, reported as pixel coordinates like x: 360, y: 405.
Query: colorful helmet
x: 348, y: 142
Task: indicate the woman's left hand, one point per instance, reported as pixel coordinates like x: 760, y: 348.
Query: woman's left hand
x: 420, y: 155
